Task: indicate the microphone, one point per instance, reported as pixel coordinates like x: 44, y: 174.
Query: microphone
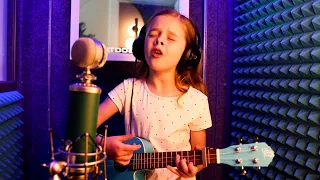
x: 81, y: 155
x: 84, y: 97
x: 88, y: 53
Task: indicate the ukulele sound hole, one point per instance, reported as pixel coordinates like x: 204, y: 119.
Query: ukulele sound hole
x: 119, y: 168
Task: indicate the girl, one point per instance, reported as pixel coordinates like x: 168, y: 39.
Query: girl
x: 169, y: 106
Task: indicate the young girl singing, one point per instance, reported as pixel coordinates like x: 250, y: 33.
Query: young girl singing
x: 169, y: 106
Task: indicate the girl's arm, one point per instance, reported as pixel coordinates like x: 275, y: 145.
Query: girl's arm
x: 116, y: 149
x: 198, y: 138
x: 185, y: 169
x: 198, y: 141
x: 106, y: 109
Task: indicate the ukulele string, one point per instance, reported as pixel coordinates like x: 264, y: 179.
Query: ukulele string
x: 169, y: 160
x: 142, y: 157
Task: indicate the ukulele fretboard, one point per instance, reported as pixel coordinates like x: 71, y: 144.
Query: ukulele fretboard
x: 162, y: 159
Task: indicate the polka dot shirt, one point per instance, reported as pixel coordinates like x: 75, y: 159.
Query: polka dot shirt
x: 163, y: 121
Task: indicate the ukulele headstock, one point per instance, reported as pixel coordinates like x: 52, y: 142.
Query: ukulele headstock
x: 254, y: 155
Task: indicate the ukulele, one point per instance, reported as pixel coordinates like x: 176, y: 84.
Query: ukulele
x: 257, y: 154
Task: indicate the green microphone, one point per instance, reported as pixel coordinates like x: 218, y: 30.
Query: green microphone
x: 84, y: 99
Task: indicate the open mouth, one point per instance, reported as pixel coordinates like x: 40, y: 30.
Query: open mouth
x: 156, y: 52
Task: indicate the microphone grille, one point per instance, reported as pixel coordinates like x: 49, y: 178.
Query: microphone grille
x: 88, y: 52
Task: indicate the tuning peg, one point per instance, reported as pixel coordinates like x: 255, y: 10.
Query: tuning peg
x: 240, y: 140
x: 242, y: 171
x: 255, y: 160
x: 256, y: 138
x: 254, y: 148
x: 259, y: 169
x: 237, y: 149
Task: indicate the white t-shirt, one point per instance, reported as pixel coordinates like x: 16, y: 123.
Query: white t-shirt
x: 161, y: 120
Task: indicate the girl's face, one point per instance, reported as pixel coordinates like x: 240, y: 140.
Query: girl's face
x: 165, y: 43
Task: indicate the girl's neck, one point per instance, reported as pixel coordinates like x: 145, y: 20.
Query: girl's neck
x: 162, y: 84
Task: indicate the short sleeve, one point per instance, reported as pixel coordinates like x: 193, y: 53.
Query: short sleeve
x: 118, y: 96
x: 203, y: 119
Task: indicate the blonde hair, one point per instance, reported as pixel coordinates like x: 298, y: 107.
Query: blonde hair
x: 183, y: 77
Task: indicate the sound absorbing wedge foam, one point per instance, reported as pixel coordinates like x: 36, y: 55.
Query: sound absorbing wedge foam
x: 315, y: 38
x: 306, y: 41
x: 316, y: 22
x: 314, y: 117
x: 314, y: 101
x: 276, y: 82
x: 316, y: 7
x: 307, y: 25
x: 307, y: 10
x: 10, y: 136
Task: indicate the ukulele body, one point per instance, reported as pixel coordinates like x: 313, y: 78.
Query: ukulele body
x: 114, y: 173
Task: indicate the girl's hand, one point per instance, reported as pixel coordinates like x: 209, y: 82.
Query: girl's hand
x: 118, y: 151
x: 185, y: 169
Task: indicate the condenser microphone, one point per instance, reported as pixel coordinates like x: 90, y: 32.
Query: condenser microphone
x: 80, y: 154
x: 84, y: 101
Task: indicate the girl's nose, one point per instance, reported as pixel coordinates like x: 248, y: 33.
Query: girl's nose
x: 159, y: 41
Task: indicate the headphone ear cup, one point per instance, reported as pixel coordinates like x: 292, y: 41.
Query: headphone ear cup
x: 138, y: 48
x: 138, y: 45
x: 194, y: 58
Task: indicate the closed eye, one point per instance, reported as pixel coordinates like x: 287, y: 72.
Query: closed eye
x: 152, y: 35
x: 171, y: 39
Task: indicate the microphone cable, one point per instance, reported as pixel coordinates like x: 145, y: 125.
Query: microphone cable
x: 132, y: 91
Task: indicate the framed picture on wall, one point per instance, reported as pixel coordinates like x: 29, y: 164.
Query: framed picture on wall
x: 116, y: 23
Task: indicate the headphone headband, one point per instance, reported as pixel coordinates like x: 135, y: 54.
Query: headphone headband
x: 191, y: 54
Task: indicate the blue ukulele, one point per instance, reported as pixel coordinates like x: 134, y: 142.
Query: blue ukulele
x: 145, y: 159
